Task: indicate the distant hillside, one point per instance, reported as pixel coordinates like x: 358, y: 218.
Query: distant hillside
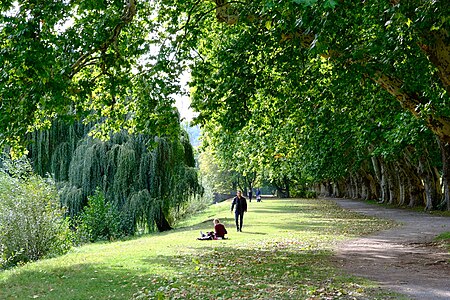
x: 194, y: 133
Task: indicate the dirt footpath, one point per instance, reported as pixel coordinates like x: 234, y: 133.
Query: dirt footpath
x: 403, y: 259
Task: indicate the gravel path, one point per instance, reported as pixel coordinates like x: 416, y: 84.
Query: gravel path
x: 403, y: 259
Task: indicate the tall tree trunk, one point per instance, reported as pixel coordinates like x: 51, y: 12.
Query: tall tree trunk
x: 368, y: 182
x: 342, y: 185
x: 415, y: 189
x: 401, y: 183
x: 287, y: 186
x: 351, y: 187
x: 415, y: 184
x: 437, y: 188
x: 330, y: 189
x: 426, y: 173
x: 445, y: 152
x: 377, y: 171
x: 438, y: 53
x: 336, y: 192
x: 366, y: 185
x: 384, y: 182
x: 318, y: 188
x: 357, y: 186
x: 392, y: 183
x: 348, y: 188
x: 161, y: 222
x: 339, y: 188
x: 282, y: 191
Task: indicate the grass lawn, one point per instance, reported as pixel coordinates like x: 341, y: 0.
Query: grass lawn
x: 284, y: 252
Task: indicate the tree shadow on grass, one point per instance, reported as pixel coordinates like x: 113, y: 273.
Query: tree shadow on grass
x: 231, y: 273
x: 220, y: 272
x: 354, y: 225
x: 222, y: 220
x: 79, y: 281
x: 273, y: 271
x: 279, y: 210
x: 253, y: 232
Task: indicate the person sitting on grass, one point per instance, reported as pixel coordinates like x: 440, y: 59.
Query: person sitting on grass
x: 218, y: 233
x: 206, y: 236
x: 219, y: 229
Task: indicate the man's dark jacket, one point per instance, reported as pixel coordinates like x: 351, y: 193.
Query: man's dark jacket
x: 241, y: 204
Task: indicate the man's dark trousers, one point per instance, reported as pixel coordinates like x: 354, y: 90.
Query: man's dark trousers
x: 239, y: 217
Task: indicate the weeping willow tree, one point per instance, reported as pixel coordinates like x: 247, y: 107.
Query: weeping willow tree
x: 147, y: 185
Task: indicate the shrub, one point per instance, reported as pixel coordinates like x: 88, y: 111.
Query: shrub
x: 32, y: 225
x: 99, y: 220
x: 193, y: 206
x: 302, y: 192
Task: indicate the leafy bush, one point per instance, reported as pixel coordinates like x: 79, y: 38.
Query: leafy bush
x: 99, y: 220
x: 301, y: 192
x: 193, y: 206
x: 32, y: 225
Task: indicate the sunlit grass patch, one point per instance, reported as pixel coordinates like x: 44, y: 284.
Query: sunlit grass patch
x: 444, y: 239
x: 283, y: 252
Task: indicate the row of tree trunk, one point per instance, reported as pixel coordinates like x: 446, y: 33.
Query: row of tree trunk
x: 410, y: 180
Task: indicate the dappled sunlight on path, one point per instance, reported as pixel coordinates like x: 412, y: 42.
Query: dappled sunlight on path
x: 404, y: 258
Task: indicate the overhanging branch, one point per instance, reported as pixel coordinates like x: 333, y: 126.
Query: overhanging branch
x: 127, y: 16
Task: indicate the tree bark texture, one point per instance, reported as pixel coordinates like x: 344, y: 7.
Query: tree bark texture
x: 384, y: 182
x: 445, y: 152
x: 427, y: 175
x: 401, y: 182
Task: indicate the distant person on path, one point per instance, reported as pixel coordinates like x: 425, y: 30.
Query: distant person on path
x: 258, y: 195
x: 250, y: 195
x: 240, y: 205
x: 219, y: 229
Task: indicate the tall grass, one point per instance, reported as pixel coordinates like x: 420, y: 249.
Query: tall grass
x: 283, y: 252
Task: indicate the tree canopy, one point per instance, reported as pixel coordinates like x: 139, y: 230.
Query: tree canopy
x: 324, y: 89
x: 350, y: 94
x: 84, y: 60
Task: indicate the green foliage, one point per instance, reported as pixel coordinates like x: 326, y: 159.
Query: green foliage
x: 288, y: 90
x: 146, y: 179
x: 326, y: 4
x: 214, y: 178
x: 303, y: 192
x: 444, y: 236
x: 84, y: 61
x: 191, y: 208
x: 32, y: 223
x: 99, y: 220
x: 299, y: 91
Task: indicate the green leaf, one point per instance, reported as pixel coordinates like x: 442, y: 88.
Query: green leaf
x: 409, y: 22
x: 330, y: 4
x: 305, y: 2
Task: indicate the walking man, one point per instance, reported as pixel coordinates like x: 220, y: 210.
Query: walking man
x: 240, y: 205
